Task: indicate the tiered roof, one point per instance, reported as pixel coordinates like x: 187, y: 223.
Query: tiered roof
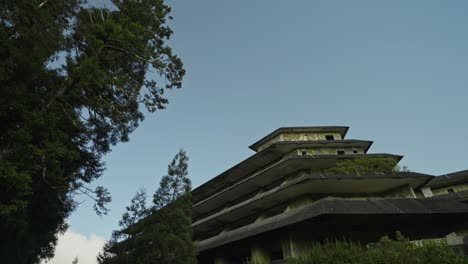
x: 232, y: 198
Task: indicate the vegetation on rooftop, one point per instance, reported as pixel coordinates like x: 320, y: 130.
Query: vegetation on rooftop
x: 366, y: 165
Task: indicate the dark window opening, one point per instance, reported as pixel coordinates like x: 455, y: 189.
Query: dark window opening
x: 450, y: 191
x: 304, y: 153
x: 277, y: 255
x: 340, y: 152
x: 329, y: 137
x: 355, y: 151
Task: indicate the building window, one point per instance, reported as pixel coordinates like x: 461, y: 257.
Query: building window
x: 340, y: 152
x: 304, y: 153
x: 355, y: 151
x: 450, y: 191
x: 329, y: 137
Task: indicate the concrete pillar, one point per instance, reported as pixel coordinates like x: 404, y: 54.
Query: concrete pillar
x: 259, y: 255
x: 300, y: 244
x: 286, y: 247
x: 465, y: 245
x: 411, y: 192
x: 427, y: 192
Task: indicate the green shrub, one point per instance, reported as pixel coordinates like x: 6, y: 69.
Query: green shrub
x: 360, y: 166
x: 331, y: 253
x: 387, y: 251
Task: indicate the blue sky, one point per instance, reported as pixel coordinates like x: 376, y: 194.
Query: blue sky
x: 394, y: 71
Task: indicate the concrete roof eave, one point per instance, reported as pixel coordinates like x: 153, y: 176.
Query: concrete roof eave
x: 371, y: 206
x: 459, y: 177
x: 274, y: 173
x: 315, y: 184
x: 261, y: 159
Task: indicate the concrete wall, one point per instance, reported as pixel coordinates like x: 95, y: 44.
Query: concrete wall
x: 456, y: 188
x: 221, y: 260
x: 299, y: 244
x: 259, y: 255
x: 404, y: 191
x: 319, y: 151
x: 308, y: 136
x: 300, y: 137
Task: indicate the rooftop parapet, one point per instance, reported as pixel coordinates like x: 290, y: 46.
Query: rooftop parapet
x: 301, y: 134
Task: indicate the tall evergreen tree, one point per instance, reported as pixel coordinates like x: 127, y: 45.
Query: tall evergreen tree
x: 175, y: 183
x: 171, y: 237
x: 165, y: 236
x: 136, y: 211
x: 73, y: 78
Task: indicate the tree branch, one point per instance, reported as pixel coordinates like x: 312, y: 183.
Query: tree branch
x: 44, y: 170
x: 129, y: 53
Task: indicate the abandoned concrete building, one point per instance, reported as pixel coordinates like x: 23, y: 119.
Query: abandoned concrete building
x: 276, y: 203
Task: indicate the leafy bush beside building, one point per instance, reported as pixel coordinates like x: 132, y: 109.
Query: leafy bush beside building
x: 387, y: 251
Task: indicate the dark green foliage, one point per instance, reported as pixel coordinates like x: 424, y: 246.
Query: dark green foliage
x: 331, y: 253
x: 59, y: 117
x: 136, y: 211
x: 360, y: 166
x: 175, y: 183
x: 165, y: 236
x: 387, y: 251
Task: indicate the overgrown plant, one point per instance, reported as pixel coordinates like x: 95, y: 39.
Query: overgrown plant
x: 365, y: 165
x: 387, y: 251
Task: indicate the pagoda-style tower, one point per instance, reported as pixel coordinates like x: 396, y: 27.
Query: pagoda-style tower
x: 272, y: 205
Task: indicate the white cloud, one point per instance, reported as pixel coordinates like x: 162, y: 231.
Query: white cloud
x: 72, y: 244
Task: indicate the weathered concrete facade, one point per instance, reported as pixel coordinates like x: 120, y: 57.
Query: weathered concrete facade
x: 274, y: 204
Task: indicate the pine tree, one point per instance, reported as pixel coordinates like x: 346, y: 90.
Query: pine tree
x: 74, y: 79
x: 136, y: 211
x: 175, y: 183
x: 165, y: 236
x: 168, y: 235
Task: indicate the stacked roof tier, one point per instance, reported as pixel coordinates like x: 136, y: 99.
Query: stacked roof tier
x: 287, y: 193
